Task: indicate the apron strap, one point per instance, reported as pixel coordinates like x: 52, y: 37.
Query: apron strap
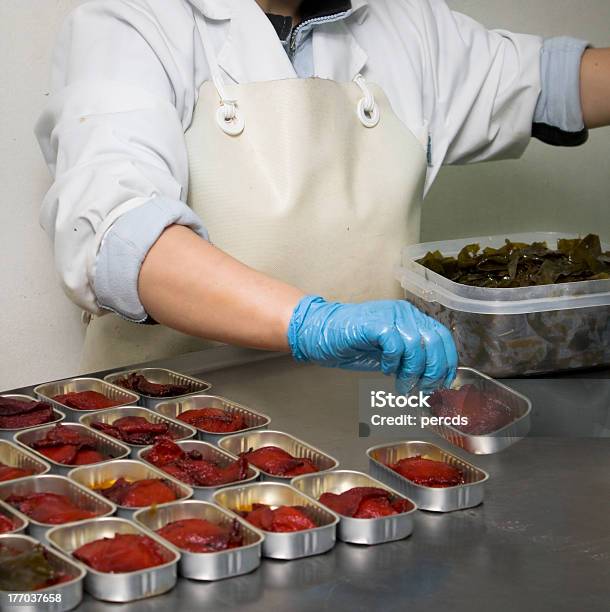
x: 228, y: 116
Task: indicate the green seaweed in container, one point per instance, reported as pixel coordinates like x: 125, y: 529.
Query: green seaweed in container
x: 518, y: 264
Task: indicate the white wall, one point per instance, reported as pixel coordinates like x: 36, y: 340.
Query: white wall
x: 40, y: 331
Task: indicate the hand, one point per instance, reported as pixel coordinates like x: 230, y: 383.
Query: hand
x: 391, y: 336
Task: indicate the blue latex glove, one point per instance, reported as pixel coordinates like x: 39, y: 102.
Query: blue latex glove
x: 391, y: 336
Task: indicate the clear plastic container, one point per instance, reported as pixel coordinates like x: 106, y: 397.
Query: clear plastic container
x: 517, y: 331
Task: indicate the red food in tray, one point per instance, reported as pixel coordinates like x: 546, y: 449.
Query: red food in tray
x: 140, y: 384
x: 214, y: 420
x: 49, y: 508
x: 485, y: 413
x: 86, y: 400
x: 7, y: 523
x: 125, y: 552
x: 201, y: 536
x: 190, y: 466
x: 145, y: 492
x: 428, y: 472
x: 17, y: 414
x: 278, y: 462
x: 8, y: 472
x: 69, y: 447
x: 282, y: 519
x: 133, y: 430
x: 365, y: 503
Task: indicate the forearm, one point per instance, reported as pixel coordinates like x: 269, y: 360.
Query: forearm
x: 595, y: 87
x: 188, y: 284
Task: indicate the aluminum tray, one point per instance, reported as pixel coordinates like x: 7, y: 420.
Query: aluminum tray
x: 240, y: 443
x: 8, y: 434
x: 254, y: 420
x: 81, y: 496
x: 20, y: 519
x: 119, y: 587
x: 496, y: 441
x: 71, y: 592
x: 437, y: 499
x: 16, y: 456
x: 99, y: 474
x: 357, y: 530
x: 292, y: 545
x: 107, y: 445
x: 213, y: 565
x: 47, y: 391
x: 180, y: 431
x: 210, y: 453
x: 161, y: 376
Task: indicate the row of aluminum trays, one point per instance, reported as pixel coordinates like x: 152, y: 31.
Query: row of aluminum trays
x: 216, y: 503
x: 164, y: 409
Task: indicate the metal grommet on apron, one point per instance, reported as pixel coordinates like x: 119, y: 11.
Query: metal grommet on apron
x: 323, y: 190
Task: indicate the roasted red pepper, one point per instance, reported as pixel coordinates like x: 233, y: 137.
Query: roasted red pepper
x: 281, y: 519
x: 214, y: 420
x: 428, y: 472
x: 201, y: 536
x: 140, y: 384
x: 484, y: 412
x: 133, y: 430
x: 365, y: 502
x: 17, y: 414
x: 7, y: 523
x: 49, y: 508
x: 190, y: 467
x: 278, y: 462
x: 86, y: 400
x: 125, y: 552
x: 68, y: 446
x: 10, y: 473
x: 146, y: 492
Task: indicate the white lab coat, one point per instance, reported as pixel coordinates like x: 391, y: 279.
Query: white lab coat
x: 126, y: 76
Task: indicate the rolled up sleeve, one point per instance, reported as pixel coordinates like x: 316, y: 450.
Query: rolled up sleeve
x: 113, y: 138
x: 558, y: 119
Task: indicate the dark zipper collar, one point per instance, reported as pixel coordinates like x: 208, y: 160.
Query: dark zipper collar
x: 309, y: 10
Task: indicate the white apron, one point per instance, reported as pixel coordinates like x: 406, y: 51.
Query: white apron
x: 311, y: 181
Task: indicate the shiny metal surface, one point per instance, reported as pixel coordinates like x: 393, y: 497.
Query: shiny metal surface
x: 16, y: 456
x: 47, y: 391
x: 293, y: 545
x: 540, y: 541
x: 241, y: 443
x: 103, y: 443
x: 78, y: 494
x: 118, y: 587
x: 519, y: 405
x: 102, y: 474
x: 8, y: 434
x: 70, y: 592
x: 161, y: 376
x: 254, y: 420
x: 178, y: 430
x: 209, y: 452
x: 213, y: 565
x: 357, y: 530
x: 436, y: 499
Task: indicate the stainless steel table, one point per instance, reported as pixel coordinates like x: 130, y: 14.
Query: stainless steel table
x: 540, y: 541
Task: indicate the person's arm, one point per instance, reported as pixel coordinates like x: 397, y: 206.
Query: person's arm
x: 188, y: 284
x: 595, y: 87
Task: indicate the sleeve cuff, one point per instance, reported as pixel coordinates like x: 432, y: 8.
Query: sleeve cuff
x: 124, y: 248
x: 558, y: 118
